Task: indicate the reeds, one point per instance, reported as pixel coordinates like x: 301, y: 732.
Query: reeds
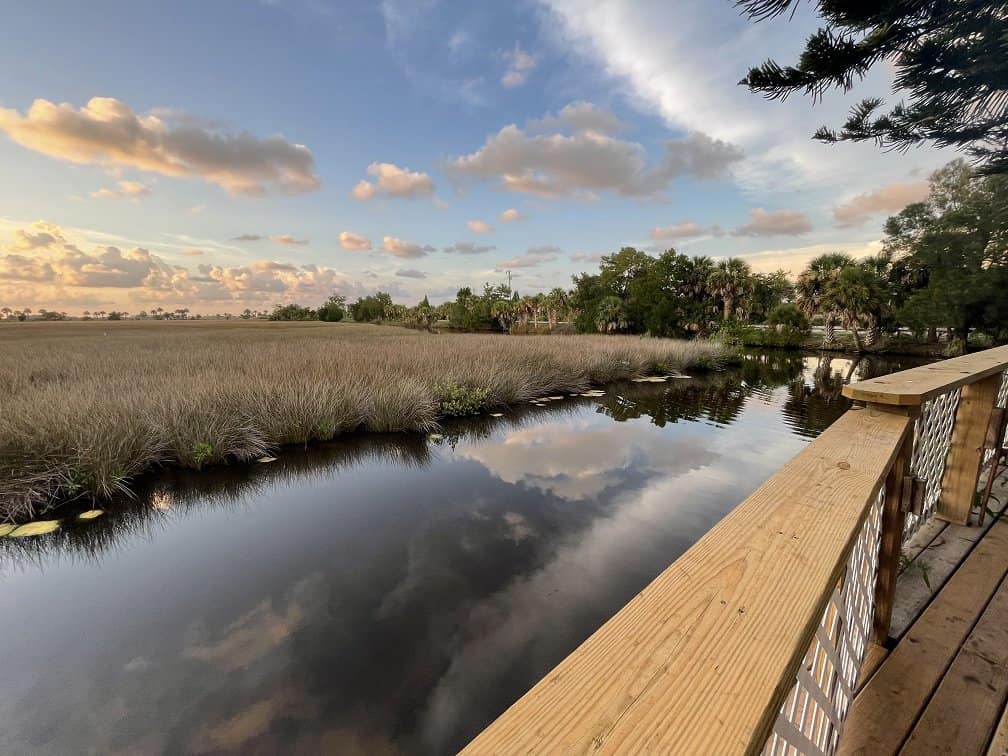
x: 86, y: 407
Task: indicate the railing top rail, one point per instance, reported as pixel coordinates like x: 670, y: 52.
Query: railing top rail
x: 912, y: 387
x: 701, y: 659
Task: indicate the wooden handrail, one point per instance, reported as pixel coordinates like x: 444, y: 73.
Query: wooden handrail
x: 701, y: 660
x: 913, y: 387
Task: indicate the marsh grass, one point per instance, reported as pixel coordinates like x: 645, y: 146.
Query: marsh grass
x: 86, y: 407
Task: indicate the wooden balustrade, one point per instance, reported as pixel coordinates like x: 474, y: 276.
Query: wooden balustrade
x: 752, y: 640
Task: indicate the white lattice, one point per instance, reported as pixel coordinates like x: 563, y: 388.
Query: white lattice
x: 1002, y: 401
x: 932, y: 439
x: 811, y: 720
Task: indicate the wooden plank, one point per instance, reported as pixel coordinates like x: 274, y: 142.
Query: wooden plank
x: 964, y: 711
x: 917, y: 385
x: 701, y: 659
x: 962, y: 469
x: 874, y: 657
x: 999, y: 743
x: 890, y: 543
x: 885, y: 710
x: 939, y: 559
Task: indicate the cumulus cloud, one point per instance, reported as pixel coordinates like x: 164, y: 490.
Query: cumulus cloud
x: 410, y: 273
x: 246, y: 237
x: 469, y: 248
x: 479, y: 226
x: 42, y: 265
x: 586, y: 163
x: 685, y: 230
x: 578, y: 116
x: 510, y: 215
x: 355, y: 242
x: 123, y: 189
x: 586, y: 257
x: 776, y: 223
x: 533, y: 256
x: 519, y: 65
x: 193, y: 252
x: 399, y: 248
x: 393, y: 181
x: 107, y: 132
x: 888, y: 199
x: 288, y: 240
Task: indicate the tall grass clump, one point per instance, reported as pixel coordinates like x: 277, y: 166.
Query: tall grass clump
x: 86, y: 407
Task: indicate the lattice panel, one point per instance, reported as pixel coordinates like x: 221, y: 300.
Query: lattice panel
x: 1002, y: 401
x: 932, y: 438
x: 811, y: 720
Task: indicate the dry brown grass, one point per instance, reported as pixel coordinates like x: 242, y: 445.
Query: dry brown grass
x: 85, y: 407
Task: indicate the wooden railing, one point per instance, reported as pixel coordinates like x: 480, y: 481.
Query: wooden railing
x: 752, y: 641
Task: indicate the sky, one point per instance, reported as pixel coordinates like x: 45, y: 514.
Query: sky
x: 243, y: 153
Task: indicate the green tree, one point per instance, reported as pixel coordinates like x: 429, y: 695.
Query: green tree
x: 949, y: 55
x: 333, y: 310
x: 610, y: 316
x: 854, y: 296
x: 730, y: 281
x: 813, y: 284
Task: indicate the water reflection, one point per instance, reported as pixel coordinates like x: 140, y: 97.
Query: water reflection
x: 381, y: 594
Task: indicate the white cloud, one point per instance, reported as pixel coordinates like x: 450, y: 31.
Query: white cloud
x: 533, y: 257
x: 890, y: 198
x: 585, y: 163
x: 288, y: 240
x: 106, y: 132
x: 684, y: 230
x: 399, y: 248
x: 355, y: 242
x: 776, y: 223
x: 519, y: 65
x: 510, y: 215
x: 123, y: 189
x: 393, y: 181
x: 469, y: 248
x: 578, y: 116
x: 479, y: 226
x: 410, y: 273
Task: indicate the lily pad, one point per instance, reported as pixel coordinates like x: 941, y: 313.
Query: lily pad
x: 435, y: 436
x: 554, y: 398
x: 496, y: 414
x: 264, y: 460
x: 90, y: 514
x: 6, y: 528
x: 40, y: 527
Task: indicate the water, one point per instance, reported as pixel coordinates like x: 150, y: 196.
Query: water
x: 381, y: 595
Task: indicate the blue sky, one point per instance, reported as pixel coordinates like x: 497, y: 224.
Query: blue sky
x: 412, y: 147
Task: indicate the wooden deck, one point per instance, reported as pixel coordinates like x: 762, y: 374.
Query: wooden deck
x: 944, y: 685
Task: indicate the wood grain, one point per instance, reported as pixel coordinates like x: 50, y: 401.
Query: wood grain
x: 701, y: 659
x: 962, y: 469
x: 917, y: 385
x: 964, y: 711
x: 884, y: 712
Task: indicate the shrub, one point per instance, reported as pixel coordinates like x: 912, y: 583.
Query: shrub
x: 455, y: 400
x: 789, y: 316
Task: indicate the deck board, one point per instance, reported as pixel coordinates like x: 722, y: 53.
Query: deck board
x: 966, y: 707
x: 887, y: 708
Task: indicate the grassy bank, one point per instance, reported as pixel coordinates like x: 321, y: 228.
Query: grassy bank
x: 86, y: 407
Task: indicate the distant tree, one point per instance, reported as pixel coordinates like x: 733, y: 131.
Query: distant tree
x: 333, y: 310
x: 115, y: 315
x: 371, y: 308
x: 853, y: 295
x: 731, y: 281
x: 813, y: 284
x: 949, y: 55
x: 769, y: 290
x: 610, y: 316
x: 788, y: 315
x: 293, y: 312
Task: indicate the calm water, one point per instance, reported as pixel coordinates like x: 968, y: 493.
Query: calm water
x: 383, y: 594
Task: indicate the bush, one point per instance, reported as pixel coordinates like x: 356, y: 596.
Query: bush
x: 782, y: 336
x: 455, y: 400
x: 789, y: 316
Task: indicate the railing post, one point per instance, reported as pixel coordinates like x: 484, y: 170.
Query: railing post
x: 962, y: 470
x: 891, y: 540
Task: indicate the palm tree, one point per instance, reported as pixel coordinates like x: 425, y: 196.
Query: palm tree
x: 503, y: 311
x: 610, y: 316
x: 813, y: 284
x: 855, y: 296
x: 731, y: 280
x: 555, y: 302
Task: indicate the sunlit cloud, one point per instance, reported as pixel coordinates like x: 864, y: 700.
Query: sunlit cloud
x: 288, y: 240
x: 393, y: 181
x: 510, y: 215
x: 122, y: 189
x: 519, y: 65
x: 890, y: 198
x: 775, y: 223
x: 354, y: 242
x: 108, y: 133
x: 399, y: 248
x: 479, y: 226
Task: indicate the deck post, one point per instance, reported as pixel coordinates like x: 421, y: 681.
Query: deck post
x: 962, y: 470
x: 891, y: 539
